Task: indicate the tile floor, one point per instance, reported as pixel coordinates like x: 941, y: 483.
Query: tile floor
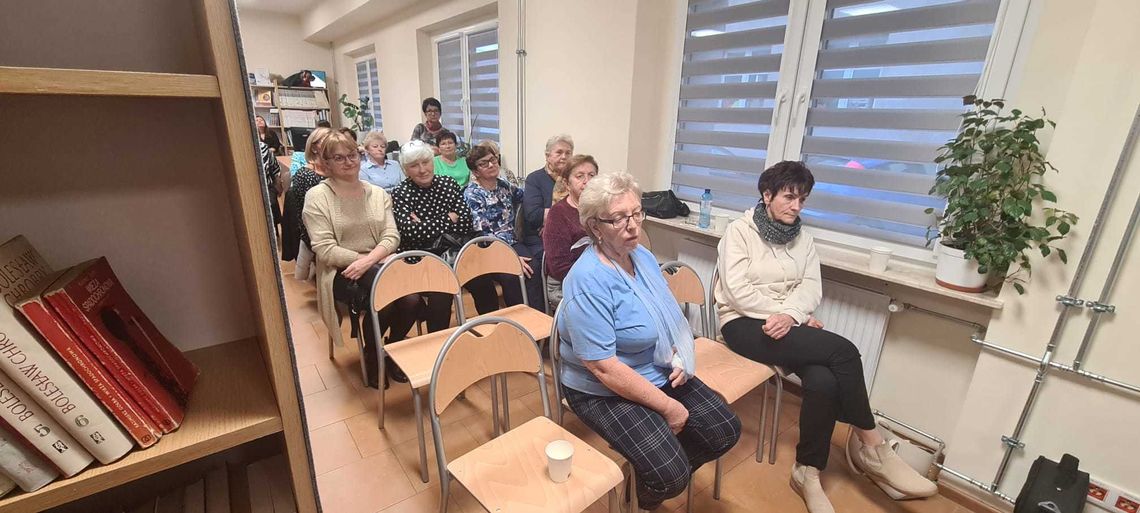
x: 361, y: 469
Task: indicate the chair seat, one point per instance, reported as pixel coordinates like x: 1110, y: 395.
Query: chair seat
x: 508, y: 473
x: 535, y: 322
x: 726, y: 372
x: 416, y: 356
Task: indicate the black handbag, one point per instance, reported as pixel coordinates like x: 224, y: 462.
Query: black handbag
x: 663, y: 205
x: 1053, y: 487
x: 447, y: 246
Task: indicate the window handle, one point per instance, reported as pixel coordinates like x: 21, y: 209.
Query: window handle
x: 780, y: 100
x: 800, y: 100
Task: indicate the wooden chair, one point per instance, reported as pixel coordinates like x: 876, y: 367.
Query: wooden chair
x: 729, y: 374
x: 399, y: 277
x: 711, y: 322
x: 508, y: 473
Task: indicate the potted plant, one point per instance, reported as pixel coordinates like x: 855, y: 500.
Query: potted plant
x: 991, y: 180
x: 361, y: 118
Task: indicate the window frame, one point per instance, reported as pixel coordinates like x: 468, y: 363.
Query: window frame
x: 1013, y: 28
x: 373, y: 108
x: 465, y: 102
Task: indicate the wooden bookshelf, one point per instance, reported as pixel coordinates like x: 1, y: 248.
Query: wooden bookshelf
x: 190, y: 237
x: 106, y: 83
x: 232, y: 404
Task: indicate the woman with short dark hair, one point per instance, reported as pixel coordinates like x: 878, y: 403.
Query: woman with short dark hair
x: 768, y: 291
x: 448, y: 163
x: 493, y: 202
x: 429, y: 130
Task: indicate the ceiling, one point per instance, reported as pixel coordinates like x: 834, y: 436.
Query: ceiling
x: 295, y: 7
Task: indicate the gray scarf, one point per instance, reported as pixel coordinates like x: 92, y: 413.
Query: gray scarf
x: 774, y: 232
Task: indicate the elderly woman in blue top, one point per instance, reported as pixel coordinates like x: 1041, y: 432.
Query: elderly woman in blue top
x: 376, y: 168
x: 627, y: 351
x: 493, y: 203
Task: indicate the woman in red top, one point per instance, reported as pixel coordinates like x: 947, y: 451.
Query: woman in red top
x: 563, y: 229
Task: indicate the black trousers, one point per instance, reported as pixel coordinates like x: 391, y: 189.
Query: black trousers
x: 483, y: 292
x: 534, y: 284
x: 831, y: 371
x: 397, y: 318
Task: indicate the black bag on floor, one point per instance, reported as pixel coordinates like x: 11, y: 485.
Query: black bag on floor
x: 1053, y: 487
x: 663, y: 205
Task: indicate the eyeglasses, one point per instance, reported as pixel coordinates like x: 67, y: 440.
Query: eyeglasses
x: 341, y: 159
x: 486, y: 163
x: 622, y: 222
x: 432, y: 111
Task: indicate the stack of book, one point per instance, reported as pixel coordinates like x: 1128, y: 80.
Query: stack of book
x: 84, y: 374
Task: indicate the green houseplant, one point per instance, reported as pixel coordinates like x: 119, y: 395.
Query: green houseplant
x: 991, y: 179
x: 361, y: 117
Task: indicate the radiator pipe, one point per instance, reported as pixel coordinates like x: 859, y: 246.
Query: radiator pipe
x: 1014, y: 440
x: 1109, y: 283
x: 520, y: 54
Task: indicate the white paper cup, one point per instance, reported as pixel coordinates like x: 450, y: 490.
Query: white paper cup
x: 879, y: 258
x: 559, y: 453
x: 720, y: 223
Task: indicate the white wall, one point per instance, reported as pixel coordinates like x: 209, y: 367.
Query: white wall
x: 1081, y: 68
x: 275, y: 41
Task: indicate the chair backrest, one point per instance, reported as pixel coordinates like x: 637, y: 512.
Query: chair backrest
x: 468, y: 357
x: 545, y: 291
x: 687, y: 288
x: 488, y: 255
x: 398, y: 277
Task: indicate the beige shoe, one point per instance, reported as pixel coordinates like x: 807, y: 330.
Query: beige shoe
x: 805, y: 481
x: 887, y: 470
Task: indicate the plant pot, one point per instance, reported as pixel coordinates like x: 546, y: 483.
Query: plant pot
x: 956, y: 272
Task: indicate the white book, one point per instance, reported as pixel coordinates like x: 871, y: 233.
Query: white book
x: 25, y: 418
x: 218, y: 491
x: 32, y: 364
x: 24, y: 466
x: 194, y: 498
x: 6, y: 484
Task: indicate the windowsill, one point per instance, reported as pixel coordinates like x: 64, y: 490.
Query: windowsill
x: 900, y: 272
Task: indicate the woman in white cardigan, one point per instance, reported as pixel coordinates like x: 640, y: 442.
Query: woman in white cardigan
x: 769, y: 288
x: 351, y: 225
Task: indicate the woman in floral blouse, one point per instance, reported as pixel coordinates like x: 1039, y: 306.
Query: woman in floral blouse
x: 494, y: 204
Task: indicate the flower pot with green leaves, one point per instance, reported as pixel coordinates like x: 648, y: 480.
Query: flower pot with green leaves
x: 996, y: 215
x: 361, y: 117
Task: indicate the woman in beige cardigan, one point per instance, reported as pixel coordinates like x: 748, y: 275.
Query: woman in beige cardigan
x: 769, y: 289
x: 352, y: 230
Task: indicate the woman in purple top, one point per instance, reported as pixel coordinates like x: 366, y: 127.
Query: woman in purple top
x: 563, y: 229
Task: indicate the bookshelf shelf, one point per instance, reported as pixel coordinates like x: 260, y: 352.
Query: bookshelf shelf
x: 232, y: 404
x: 51, y: 81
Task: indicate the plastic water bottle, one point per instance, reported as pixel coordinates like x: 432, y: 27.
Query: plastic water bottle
x: 706, y: 209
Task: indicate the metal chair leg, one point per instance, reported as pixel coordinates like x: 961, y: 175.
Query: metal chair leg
x: 383, y: 370
x: 689, y: 493
x: 763, y: 432
x: 417, y: 401
x: 495, y: 432
x: 776, y: 420
x: 717, y: 478
x: 444, y: 492
x: 506, y: 425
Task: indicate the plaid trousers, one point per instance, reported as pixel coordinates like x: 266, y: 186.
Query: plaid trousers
x: 662, y: 461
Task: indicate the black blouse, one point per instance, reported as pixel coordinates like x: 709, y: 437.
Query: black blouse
x: 304, y: 180
x: 431, y: 206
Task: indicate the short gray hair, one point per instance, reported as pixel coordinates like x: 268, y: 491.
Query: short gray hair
x: 415, y: 151
x: 372, y: 136
x: 560, y: 138
x: 601, y: 192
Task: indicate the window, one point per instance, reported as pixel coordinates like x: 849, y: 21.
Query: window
x: 866, y: 93
x: 468, y: 82
x: 368, y: 86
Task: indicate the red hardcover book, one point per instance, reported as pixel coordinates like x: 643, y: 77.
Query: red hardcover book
x: 90, y: 299
x: 144, y: 431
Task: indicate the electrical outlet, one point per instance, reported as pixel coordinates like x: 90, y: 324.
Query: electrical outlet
x: 1097, y: 492
x: 1125, y: 504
